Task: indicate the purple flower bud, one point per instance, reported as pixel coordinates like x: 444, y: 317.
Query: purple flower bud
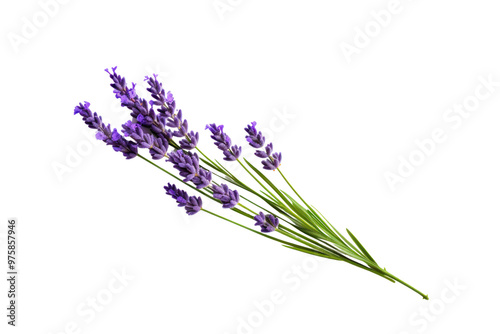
x: 223, y: 142
x: 166, y: 102
x: 268, y: 223
x: 140, y: 108
x: 266, y: 153
x: 193, y: 205
x: 158, y: 147
x: 179, y: 195
x: 104, y: 132
x: 229, y: 198
x: 190, y: 142
x: 188, y: 165
x: 273, y: 162
x: 254, y: 138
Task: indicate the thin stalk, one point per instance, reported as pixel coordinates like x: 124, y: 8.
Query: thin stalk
x: 249, y: 229
x: 295, y: 191
x: 426, y: 297
x: 256, y: 179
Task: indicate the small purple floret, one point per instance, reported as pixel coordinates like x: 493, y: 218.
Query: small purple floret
x: 188, y: 165
x: 273, y: 162
x: 223, y: 142
x: 104, y: 132
x: 192, y: 204
x: 254, y: 138
x: 179, y: 195
x: 229, y: 198
x: 268, y: 223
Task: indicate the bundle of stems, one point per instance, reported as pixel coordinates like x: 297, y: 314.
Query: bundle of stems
x: 284, y: 217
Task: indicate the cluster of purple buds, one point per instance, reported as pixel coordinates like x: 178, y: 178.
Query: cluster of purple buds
x: 141, y: 110
x: 268, y: 223
x: 223, y: 142
x: 166, y: 108
x: 166, y: 101
x: 256, y: 140
x: 122, y: 92
x: 188, y: 165
x: 192, y: 204
x: 157, y: 146
x: 229, y: 198
x: 104, y: 133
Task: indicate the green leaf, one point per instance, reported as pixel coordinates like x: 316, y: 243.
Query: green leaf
x: 360, y: 246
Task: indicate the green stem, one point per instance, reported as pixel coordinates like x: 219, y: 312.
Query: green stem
x: 249, y: 229
x: 253, y: 176
x: 426, y: 297
x: 296, y: 193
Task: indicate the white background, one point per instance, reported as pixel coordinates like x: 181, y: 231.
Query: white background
x: 341, y: 125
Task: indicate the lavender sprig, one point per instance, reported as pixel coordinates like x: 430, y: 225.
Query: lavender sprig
x: 158, y: 147
x: 104, y: 133
x: 268, y: 223
x: 192, y: 204
x: 166, y: 101
x: 229, y: 198
x: 223, y: 142
x: 153, y: 127
x: 256, y: 139
x: 142, y: 111
x: 166, y: 104
x: 188, y: 165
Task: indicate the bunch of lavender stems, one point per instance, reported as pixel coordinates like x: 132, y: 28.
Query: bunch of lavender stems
x: 158, y: 127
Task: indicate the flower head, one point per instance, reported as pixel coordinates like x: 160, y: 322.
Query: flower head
x: 190, y: 141
x: 122, y: 92
x: 166, y: 101
x: 229, y: 198
x: 266, y: 153
x: 188, y: 165
x: 192, y: 204
x: 273, y: 162
x: 267, y: 223
x: 158, y: 147
x: 223, y: 142
x: 254, y: 138
x: 179, y: 195
x: 104, y: 132
x: 140, y: 109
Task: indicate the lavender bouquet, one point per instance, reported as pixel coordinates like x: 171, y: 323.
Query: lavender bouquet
x: 158, y: 127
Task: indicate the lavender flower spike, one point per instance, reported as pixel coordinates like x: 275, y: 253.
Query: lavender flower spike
x: 165, y: 101
x: 188, y: 165
x: 192, y: 204
x: 229, y: 198
x: 179, y: 195
x: 268, y: 223
x: 273, y: 162
x: 157, y: 146
x: 122, y: 92
x: 167, y: 112
x: 139, y: 107
x: 223, y: 142
x: 104, y: 133
x: 266, y: 153
x: 254, y: 138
